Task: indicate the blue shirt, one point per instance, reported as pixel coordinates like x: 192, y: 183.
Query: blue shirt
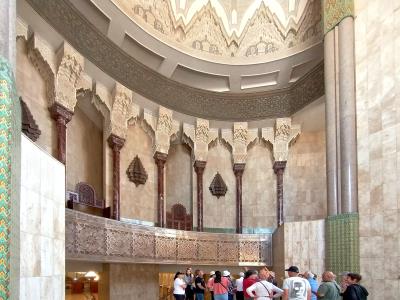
x: 314, y: 288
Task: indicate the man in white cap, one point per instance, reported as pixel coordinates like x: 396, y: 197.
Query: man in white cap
x: 210, y: 284
x: 239, y: 287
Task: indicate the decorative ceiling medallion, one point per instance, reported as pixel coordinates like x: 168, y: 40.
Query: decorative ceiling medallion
x: 218, y: 187
x: 29, y: 126
x: 136, y: 172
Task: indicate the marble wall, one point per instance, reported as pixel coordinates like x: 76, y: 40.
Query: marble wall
x: 84, y: 152
x: 138, y: 202
x: 219, y: 212
x: 305, y: 178
x: 259, y: 188
x: 129, y: 281
x: 377, y: 31
x: 178, y: 177
x: 300, y: 244
x: 31, y: 87
x: 42, y: 224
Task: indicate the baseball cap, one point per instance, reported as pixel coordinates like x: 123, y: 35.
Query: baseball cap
x: 226, y: 273
x: 293, y: 269
x: 212, y: 273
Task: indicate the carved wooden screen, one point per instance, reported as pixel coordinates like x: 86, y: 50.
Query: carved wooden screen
x: 177, y: 218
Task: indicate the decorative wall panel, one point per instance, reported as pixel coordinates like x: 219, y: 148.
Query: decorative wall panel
x: 93, y: 238
x: 335, y: 11
x: 342, y: 243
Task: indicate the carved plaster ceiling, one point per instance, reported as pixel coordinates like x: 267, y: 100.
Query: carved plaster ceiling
x: 232, y: 29
x: 160, y: 73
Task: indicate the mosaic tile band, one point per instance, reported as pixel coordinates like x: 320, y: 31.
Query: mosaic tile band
x: 7, y: 96
x: 335, y: 11
x: 342, y: 243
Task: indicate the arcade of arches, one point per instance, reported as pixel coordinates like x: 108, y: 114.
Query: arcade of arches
x: 139, y: 138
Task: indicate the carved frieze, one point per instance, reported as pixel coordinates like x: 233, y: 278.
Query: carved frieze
x: 218, y: 186
x: 29, y: 126
x: 93, y: 238
x: 136, y: 172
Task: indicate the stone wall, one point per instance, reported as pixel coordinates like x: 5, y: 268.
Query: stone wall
x: 377, y: 31
x: 42, y: 225
x: 31, y: 87
x: 300, y: 244
x: 84, y: 152
x: 130, y: 282
x: 178, y: 171
x: 259, y: 188
x: 219, y: 212
x: 138, y: 202
x: 305, y: 178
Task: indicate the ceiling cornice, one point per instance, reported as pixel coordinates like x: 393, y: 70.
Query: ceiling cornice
x: 100, y: 50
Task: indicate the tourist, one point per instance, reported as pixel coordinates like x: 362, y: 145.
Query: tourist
x: 200, y: 285
x: 313, y: 283
x: 250, y: 277
x: 329, y: 289
x: 231, y: 292
x: 239, y: 287
x: 343, y: 281
x: 263, y: 289
x: 354, y: 290
x: 189, y: 280
x: 209, y: 284
x: 179, y: 286
x: 272, y: 278
x: 295, y: 287
x: 220, y: 286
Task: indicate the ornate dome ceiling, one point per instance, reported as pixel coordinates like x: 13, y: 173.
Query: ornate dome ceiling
x: 229, y: 30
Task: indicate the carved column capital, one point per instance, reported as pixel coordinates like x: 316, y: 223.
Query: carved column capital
x: 115, y: 142
x: 279, y: 167
x: 160, y: 158
x: 199, y: 166
x: 238, y: 169
x: 62, y: 116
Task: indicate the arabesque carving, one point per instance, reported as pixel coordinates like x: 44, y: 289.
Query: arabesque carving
x: 280, y: 137
x: 218, y: 186
x: 93, y: 238
x: 136, y: 172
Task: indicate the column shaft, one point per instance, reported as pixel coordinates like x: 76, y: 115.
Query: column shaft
x: 116, y: 143
x: 160, y: 159
x: 62, y: 116
x: 348, y: 135
x: 330, y: 117
x: 279, y: 169
x: 199, y: 167
x: 238, y: 169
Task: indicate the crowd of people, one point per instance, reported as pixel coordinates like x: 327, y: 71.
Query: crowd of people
x: 262, y: 285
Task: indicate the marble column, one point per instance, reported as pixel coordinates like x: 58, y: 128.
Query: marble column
x: 331, y: 125
x: 347, y: 108
x: 238, y: 169
x: 62, y: 116
x: 279, y: 169
x: 116, y: 143
x: 199, y: 167
x: 160, y: 159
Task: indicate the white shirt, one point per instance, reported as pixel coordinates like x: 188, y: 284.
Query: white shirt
x: 239, y: 284
x: 178, y: 289
x: 297, y: 288
x: 263, y: 290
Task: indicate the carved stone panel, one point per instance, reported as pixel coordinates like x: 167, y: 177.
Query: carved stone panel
x: 136, y: 172
x: 28, y: 126
x: 218, y: 187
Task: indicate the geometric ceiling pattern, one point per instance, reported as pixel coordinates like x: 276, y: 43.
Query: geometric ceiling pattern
x: 230, y: 28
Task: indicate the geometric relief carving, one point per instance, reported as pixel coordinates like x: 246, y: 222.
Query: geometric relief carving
x: 119, y: 243
x: 249, y: 251
x: 29, y: 126
x: 143, y: 245
x: 218, y: 187
x: 92, y: 238
x: 136, y: 172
